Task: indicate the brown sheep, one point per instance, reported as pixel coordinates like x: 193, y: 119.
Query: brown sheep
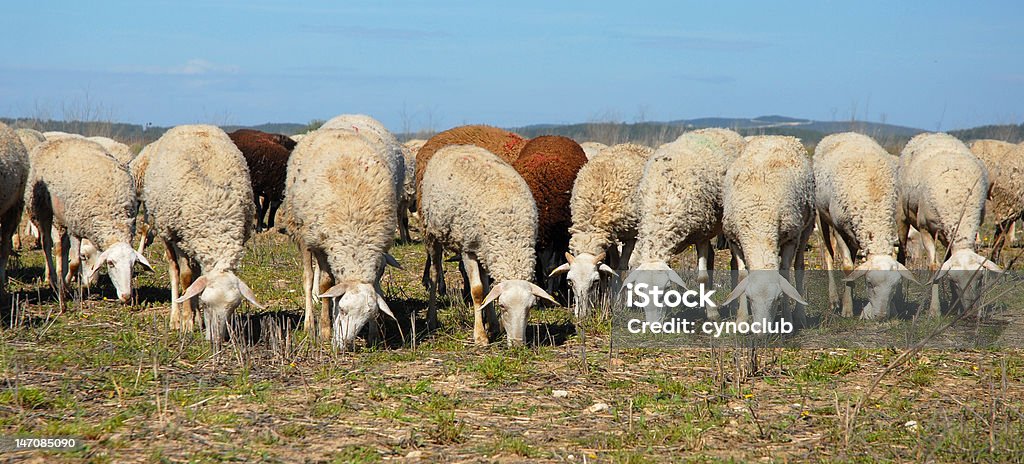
x: 267, y: 156
x: 549, y: 165
x: 501, y: 142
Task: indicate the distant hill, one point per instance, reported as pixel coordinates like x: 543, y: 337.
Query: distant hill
x: 131, y: 133
x: 1008, y: 132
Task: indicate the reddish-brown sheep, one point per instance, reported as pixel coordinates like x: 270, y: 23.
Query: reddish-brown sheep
x: 267, y: 156
x: 501, y: 142
x: 549, y: 165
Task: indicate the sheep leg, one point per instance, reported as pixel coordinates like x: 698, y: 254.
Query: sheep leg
x: 187, y: 274
x: 274, y: 205
x: 826, y: 240
x: 845, y: 256
x: 308, y: 323
x: 627, y: 251
x: 742, y: 309
x: 785, y: 263
x: 61, y: 247
x: 8, y: 227
x: 477, y: 292
x: 705, y: 270
x: 799, y: 266
x: 434, y: 252
x: 75, y: 260
x: 326, y: 282
x: 403, y: 224
x: 174, y: 272
x: 47, y: 239
x: 934, y: 307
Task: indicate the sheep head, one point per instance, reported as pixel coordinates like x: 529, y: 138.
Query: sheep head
x: 966, y: 269
x: 515, y: 298
x: 762, y: 288
x: 583, y: 272
x: 119, y: 259
x: 219, y: 292
x: 354, y: 305
x: 882, y: 273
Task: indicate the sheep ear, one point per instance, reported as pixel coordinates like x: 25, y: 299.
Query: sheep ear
x: 335, y: 291
x: 493, y: 294
x: 569, y: 257
x: 741, y: 287
x: 391, y: 261
x: 143, y: 261
x: 906, y: 273
x: 248, y: 294
x: 539, y: 292
x: 100, y: 260
x: 857, y: 273
x: 630, y: 278
x: 946, y: 266
x: 196, y: 288
x: 606, y: 269
x: 991, y: 266
x: 560, y: 270
x: 791, y: 291
x: 672, y: 276
x: 383, y: 306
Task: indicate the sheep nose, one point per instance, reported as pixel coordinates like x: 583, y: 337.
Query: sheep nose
x: 124, y: 297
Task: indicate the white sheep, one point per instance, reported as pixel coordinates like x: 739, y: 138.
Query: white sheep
x: 57, y: 135
x: 76, y: 188
x: 604, y: 211
x: 14, y: 172
x: 680, y: 198
x: 495, y: 233
x: 30, y: 138
x: 768, y: 216
x: 942, y: 189
x: 121, y: 152
x: 592, y: 148
x: 373, y: 129
x: 1005, y: 164
x: 855, y: 196
x: 199, y: 200
x: 407, y: 207
x: 341, y: 208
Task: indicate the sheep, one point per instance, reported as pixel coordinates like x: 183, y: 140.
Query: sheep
x: 591, y: 149
x: 1005, y: 164
x: 121, y: 152
x: 267, y: 159
x: 855, y: 196
x: 942, y: 189
x: 407, y: 206
x: 604, y: 211
x: 76, y: 188
x: 549, y: 165
x: 341, y: 209
x: 297, y: 137
x: 767, y: 216
x: 199, y: 200
x: 496, y: 231
x: 375, y: 131
x: 137, y: 168
x: 30, y: 138
x: 57, y: 135
x: 506, y: 145
x: 680, y: 202
x: 14, y: 172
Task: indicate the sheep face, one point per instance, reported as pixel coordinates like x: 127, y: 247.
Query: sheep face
x: 762, y: 291
x: 89, y: 255
x: 352, y: 310
x: 219, y: 292
x: 966, y: 269
x: 119, y: 259
x: 883, y: 274
x: 515, y: 298
x: 583, y: 272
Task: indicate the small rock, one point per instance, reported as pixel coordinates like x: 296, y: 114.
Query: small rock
x: 559, y: 393
x: 911, y: 425
x: 597, y: 407
x: 417, y: 454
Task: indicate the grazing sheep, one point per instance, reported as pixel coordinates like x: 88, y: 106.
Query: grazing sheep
x: 341, y: 209
x: 942, y: 188
x: 199, y: 200
x: 1005, y: 164
x: 14, y: 172
x: 407, y: 206
x: 768, y: 215
x: 495, y: 233
x: 267, y: 159
x: 30, y: 138
x: 137, y: 168
x: 604, y: 211
x: 549, y: 165
x: 855, y: 196
x: 506, y: 145
x: 79, y: 190
x: 680, y: 201
x: 121, y: 152
x: 591, y: 149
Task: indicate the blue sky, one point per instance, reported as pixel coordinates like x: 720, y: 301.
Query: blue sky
x: 934, y: 65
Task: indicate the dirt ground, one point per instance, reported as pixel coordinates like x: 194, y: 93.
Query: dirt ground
x: 131, y: 390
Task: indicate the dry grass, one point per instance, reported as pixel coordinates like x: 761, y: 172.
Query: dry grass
x: 115, y: 376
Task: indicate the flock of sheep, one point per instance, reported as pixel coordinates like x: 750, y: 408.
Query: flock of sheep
x: 527, y: 218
